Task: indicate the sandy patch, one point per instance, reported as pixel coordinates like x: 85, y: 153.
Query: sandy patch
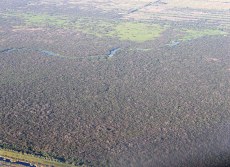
x: 19, y: 28
x: 212, y: 59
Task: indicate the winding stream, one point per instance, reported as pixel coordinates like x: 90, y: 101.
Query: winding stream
x: 44, y: 52
x: 173, y: 43
x: 9, y: 50
x: 111, y: 52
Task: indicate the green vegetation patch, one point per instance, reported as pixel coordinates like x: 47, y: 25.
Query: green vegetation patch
x: 45, y: 19
x: 38, y: 19
x: 123, y: 30
x: 131, y: 31
x: 194, y: 34
x: 96, y: 27
x: 138, y: 32
x: 16, y: 156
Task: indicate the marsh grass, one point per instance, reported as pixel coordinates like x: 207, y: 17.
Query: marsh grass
x: 190, y: 34
x: 122, y: 30
x: 137, y: 32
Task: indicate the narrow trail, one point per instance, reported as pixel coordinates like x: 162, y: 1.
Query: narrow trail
x: 155, y: 3
x: 22, y: 163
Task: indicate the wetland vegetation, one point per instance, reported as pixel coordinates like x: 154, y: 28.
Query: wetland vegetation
x: 114, y: 83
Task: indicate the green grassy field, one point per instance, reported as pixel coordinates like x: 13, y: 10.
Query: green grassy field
x: 138, y: 32
x: 191, y: 34
x: 123, y: 30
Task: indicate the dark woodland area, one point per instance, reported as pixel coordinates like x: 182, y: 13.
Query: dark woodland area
x: 152, y: 103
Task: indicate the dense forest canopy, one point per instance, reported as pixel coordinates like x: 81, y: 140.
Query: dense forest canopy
x: 115, y: 83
